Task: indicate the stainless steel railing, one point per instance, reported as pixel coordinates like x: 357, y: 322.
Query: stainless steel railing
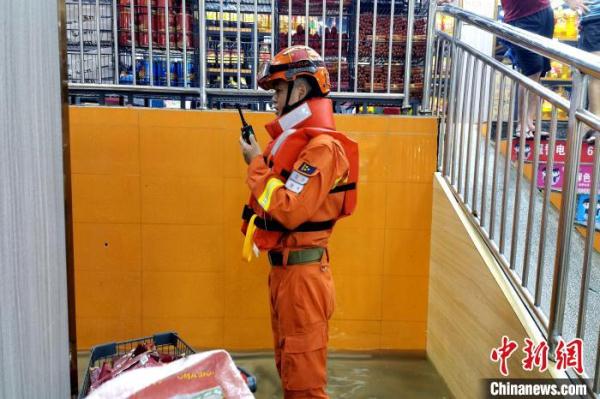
x: 108, y: 38
x: 475, y: 97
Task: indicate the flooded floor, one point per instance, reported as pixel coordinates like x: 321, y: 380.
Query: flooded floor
x: 350, y: 376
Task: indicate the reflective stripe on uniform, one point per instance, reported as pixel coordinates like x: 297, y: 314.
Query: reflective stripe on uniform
x: 265, y: 198
x: 248, y: 240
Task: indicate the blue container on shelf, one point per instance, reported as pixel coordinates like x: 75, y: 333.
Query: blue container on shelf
x: 160, y: 73
x: 125, y: 75
x: 157, y: 103
x: 191, y: 72
x: 176, y: 74
x: 126, y: 79
x: 143, y: 72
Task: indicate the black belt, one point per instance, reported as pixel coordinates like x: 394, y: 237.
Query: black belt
x: 273, y: 225
x: 300, y: 257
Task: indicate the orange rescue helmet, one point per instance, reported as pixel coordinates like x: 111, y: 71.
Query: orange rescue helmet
x: 291, y: 63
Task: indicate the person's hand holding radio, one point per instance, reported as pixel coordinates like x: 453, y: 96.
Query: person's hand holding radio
x: 250, y: 151
x: 248, y: 144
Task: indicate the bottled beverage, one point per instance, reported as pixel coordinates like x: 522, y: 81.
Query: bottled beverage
x: 264, y: 52
x: 571, y: 25
x: 560, y: 25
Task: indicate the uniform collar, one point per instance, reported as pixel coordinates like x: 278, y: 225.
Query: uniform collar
x: 315, y: 112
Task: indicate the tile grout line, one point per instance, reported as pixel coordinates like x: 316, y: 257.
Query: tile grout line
x: 223, y: 250
x: 139, y: 134
x: 385, y: 224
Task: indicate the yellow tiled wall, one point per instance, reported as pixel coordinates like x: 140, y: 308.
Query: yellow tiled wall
x: 157, y: 197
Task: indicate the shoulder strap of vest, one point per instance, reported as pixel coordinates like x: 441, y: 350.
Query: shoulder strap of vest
x: 343, y: 187
x: 337, y: 189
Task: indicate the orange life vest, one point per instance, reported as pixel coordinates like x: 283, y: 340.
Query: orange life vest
x: 291, y: 133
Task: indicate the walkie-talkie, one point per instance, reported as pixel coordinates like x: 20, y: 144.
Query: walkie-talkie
x: 246, y: 128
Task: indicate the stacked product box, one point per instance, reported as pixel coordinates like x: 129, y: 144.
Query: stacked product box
x: 239, y: 26
x: 327, y: 36
x: 155, y: 33
x: 90, y: 56
x: 380, y: 61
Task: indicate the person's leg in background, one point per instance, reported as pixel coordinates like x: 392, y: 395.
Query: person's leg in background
x: 532, y: 65
x: 531, y: 107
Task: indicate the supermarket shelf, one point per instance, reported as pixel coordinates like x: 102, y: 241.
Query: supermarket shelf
x: 230, y: 71
x: 173, y: 52
x: 333, y: 95
x: 227, y: 30
x: 100, y: 93
x: 380, y: 64
x: 132, y: 94
x: 248, y: 2
x: 557, y: 82
x: 567, y: 40
x: 246, y: 33
x: 76, y: 46
x: 558, y: 119
x: 395, y: 39
x: 212, y: 34
x: 133, y: 88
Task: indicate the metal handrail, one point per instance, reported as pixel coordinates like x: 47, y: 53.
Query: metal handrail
x: 584, y: 61
x: 552, y: 96
x: 453, y: 77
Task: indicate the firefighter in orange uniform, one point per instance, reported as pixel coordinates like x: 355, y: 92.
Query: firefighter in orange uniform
x: 300, y: 186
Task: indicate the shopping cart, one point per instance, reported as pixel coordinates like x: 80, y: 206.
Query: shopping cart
x: 167, y: 343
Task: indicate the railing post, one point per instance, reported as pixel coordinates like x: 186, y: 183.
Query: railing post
x: 202, y: 52
x: 81, y: 63
x: 450, y: 125
x: 567, y: 213
x: 116, y: 41
x: 426, y: 99
x: 410, y: 26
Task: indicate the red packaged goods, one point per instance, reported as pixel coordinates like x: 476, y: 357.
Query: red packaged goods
x: 142, y: 39
x: 160, y: 21
x: 125, y: 38
x: 210, y: 374
x: 124, y: 18
x: 161, y: 40
x: 141, y: 356
x: 182, y: 19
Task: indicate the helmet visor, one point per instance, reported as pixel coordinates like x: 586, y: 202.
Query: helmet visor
x: 263, y: 70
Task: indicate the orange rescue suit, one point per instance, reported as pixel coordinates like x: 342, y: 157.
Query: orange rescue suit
x: 304, y: 182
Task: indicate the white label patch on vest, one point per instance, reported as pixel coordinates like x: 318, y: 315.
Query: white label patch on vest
x: 294, y: 187
x: 298, y: 178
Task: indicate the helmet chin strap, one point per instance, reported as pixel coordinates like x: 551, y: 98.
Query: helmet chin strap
x: 290, y: 107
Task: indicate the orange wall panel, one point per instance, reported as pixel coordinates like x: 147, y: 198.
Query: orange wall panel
x: 182, y: 248
x: 108, y: 247
x: 157, y: 197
